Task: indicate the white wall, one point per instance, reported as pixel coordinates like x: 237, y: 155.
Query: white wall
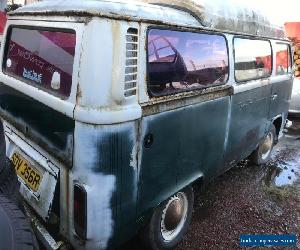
x: 23, y: 2
x: 3, y: 4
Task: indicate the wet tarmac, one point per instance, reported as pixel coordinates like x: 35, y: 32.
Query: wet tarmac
x: 285, y: 164
x: 248, y: 199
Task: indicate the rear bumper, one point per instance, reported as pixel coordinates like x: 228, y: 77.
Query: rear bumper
x: 42, y: 233
x: 294, y: 112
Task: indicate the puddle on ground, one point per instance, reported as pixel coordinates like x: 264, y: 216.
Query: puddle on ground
x: 284, y: 168
x: 283, y: 173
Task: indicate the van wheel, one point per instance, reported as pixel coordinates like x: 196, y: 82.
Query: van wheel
x: 263, y: 152
x: 169, y: 221
x: 16, y: 232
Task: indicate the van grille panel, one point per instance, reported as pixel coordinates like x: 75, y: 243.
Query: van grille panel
x: 131, y: 66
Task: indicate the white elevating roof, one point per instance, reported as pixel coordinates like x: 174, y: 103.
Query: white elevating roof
x: 211, y: 14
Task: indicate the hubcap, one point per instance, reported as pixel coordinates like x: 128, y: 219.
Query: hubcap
x: 266, y: 146
x: 174, y: 216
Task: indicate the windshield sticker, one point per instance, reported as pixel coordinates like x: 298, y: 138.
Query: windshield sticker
x: 32, y: 75
x: 8, y: 63
x: 55, y: 82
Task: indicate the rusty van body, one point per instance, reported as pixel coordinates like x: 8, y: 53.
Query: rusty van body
x: 112, y: 111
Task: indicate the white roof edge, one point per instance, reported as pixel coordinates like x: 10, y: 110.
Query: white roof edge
x: 127, y: 10
x: 192, y: 13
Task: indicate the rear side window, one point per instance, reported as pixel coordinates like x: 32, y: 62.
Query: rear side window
x: 43, y: 58
x: 283, y: 59
x: 253, y: 59
x: 183, y: 61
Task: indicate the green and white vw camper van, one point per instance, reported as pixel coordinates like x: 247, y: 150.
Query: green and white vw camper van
x: 114, y: 110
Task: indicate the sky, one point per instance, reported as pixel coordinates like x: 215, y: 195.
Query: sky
x: 277, y: 10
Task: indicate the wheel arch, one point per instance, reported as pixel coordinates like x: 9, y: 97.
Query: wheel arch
x: 278, y: 123
x: 196, y: 182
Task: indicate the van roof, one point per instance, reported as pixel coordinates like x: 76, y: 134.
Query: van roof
x: 190, y: 13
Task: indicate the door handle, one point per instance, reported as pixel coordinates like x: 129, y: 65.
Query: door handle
x: 273, y: 97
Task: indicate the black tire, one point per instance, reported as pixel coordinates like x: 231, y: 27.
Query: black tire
x: 258, y: 157
x: 151, y: 235
x: 2, y: 147
x: 16, y: 231
x: 9, y: 185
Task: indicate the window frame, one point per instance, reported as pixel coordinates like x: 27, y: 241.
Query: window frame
x: 39, y: 28
x: 290, y: 57
x: 234, y: 56
x: 183, y: 29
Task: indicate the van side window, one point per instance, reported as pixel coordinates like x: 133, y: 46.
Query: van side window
x: 283, y: 60
x: 252, y: 59
x: 183, y: 61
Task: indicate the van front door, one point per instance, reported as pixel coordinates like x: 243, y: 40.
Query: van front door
x: 281, y: 81
x: 250, y: 99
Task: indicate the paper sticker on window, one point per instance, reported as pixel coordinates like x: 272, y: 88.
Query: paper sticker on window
x: 55, y: 82
x: 8, y: 63
x: 32, y: 75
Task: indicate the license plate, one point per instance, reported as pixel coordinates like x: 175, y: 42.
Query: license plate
x: 31, y: 176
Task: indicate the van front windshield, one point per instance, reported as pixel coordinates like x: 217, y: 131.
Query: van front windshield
x: 43, y: 58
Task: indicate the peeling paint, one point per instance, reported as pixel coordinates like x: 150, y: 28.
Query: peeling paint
x: 166, y: 103
x: 99, y: 217
x: 99, y: 187
x: 97, y: 161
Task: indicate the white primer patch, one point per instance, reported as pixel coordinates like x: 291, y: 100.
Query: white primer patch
x: 99, y: 213
x: 99, y: 187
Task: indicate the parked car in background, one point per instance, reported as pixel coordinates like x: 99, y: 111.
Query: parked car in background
x: 3, y: 19
x: 295, y: 100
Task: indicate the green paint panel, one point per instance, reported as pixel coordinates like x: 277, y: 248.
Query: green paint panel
x: 114, y: 145
x: 248, y: 123
x: 50, y: 129
x: 281, y: 91
x: 187, y: 143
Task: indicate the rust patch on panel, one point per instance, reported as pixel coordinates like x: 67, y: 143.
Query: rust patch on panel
x: 171, y: 102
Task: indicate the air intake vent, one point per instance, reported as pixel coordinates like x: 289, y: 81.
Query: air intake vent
x: 130, y: 84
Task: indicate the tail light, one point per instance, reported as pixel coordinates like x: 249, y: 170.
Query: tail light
x: 80, y: 211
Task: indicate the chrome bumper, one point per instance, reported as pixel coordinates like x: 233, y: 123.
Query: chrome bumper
x: 41, y: 232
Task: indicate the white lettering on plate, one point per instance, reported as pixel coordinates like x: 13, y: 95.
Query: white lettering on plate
x: 32, y: 75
